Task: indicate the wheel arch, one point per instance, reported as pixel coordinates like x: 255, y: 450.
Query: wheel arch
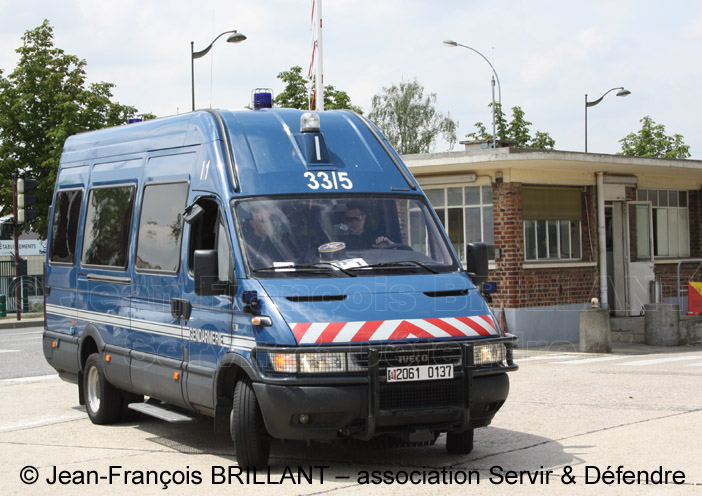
x: 91, y: 342
x: 232, y: 368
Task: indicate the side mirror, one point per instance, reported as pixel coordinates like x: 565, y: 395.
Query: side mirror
x: 477, y: 262
x: 205, y: 272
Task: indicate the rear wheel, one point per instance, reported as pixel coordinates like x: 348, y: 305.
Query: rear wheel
x: 459, y: 443
x: 102, y: 400
x: 251, y: 440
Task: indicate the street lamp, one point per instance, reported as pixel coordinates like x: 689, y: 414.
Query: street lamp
x: 234, y: 37
x: 451, y: 43
x: 621, y: 92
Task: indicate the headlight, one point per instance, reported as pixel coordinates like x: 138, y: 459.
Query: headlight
x: 322, y: 363
x: 489, y: 354
x: 310, y: 363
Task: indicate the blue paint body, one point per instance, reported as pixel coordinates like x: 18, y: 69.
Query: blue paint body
x: 231, y: 163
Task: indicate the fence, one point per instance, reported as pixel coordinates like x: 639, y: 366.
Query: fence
x: 32, y: 286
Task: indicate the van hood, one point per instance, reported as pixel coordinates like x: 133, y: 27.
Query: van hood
x: 376, y: 309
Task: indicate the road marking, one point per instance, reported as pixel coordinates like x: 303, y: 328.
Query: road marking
x: 663, y: 360
x: 9, y: 351
x: 37, y: 378
x: 694, y: 364
x: 590, y: 360
x: 39, y: 421
x: 543, y: 357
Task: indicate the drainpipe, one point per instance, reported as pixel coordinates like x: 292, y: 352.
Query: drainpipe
x: 602, y: 240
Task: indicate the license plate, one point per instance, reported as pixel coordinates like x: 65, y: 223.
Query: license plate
x: 420, y: 373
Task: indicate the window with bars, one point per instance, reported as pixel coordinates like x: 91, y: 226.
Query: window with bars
x: 466, y: 213
x: 552, y: 223
x: 552, y: 240
x: 671, y: 223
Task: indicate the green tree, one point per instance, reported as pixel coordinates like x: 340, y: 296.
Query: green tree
x: 297, y: 93
x: 42, y: 102
x: 515, y: 130
x: 651, y: 141
x: 409, y: 119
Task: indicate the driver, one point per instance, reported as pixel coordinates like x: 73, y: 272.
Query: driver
x: 358, y: 237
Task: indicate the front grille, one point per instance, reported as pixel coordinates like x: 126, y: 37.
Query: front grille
x: 398, y: 355
x: 420, y: 395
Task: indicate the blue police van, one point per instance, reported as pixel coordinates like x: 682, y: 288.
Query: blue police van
x: 279, y: 271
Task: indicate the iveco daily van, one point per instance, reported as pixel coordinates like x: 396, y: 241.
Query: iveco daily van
x: 280, y: 271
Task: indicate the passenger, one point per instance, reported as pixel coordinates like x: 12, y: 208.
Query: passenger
x: 358, y: 237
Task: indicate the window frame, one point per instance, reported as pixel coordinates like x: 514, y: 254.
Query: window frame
x: 138, y: 228
x: 121, y: 268
x: 655, y: 207
x: 578, y: 224
x: 81, y: 190
x: 442, y: 212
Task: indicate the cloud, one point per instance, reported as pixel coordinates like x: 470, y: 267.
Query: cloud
x: 542, y: 64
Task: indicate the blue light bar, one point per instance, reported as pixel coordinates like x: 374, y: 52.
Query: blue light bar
x: 262, y: 98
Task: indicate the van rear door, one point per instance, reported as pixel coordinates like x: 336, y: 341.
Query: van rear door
x: 104, y: 280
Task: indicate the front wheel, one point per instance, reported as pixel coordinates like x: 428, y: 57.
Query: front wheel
x: 103, y: 401
x: 251, y: 440
x: 459, y: 443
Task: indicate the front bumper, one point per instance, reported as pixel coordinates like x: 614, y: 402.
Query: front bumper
x: 362, y: 407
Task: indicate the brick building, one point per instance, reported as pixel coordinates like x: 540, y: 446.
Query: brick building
x: 559, y: 223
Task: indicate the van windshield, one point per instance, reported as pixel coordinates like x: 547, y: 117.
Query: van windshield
x: 343, y: 236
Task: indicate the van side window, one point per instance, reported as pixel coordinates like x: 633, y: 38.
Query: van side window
x: 209, y: 232
x: 64, y: 230
x: 161, y: 227
x: 224, y: 259
x: 203, y: 232
x: 107, y: 223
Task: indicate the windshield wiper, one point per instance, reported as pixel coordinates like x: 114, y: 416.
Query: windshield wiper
x: 324, y: 265
x: 318, y: 266
x: 398, y: 264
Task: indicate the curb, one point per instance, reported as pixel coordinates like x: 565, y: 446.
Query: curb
x: 14, y: 324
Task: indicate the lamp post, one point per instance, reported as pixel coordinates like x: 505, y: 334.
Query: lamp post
x: 235, y: 37
x: 451, y: 43
x: 622, y: 92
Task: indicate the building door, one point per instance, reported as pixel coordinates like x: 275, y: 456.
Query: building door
x: 616, y: 270
x: 639, y: 255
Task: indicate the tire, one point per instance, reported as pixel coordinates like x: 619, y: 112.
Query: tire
x: 103, y: 401
x: 459, y: 443
x: 248, y: 431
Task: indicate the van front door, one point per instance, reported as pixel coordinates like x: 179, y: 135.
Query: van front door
x: 208, y: 330
x: 639, y: 255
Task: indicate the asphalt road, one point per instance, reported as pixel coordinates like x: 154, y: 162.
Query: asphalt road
x: 21, y: 354
x: 570, y: 416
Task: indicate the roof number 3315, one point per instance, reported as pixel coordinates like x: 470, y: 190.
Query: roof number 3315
x: 328, y: 180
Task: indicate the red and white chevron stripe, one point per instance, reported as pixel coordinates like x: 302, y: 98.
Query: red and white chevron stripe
x: 382, y: 330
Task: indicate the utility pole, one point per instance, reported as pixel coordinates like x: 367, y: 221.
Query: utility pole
x: 18, y: 262
x: 319, y: 77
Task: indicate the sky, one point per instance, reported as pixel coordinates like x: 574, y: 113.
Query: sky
x: 548, y: 54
